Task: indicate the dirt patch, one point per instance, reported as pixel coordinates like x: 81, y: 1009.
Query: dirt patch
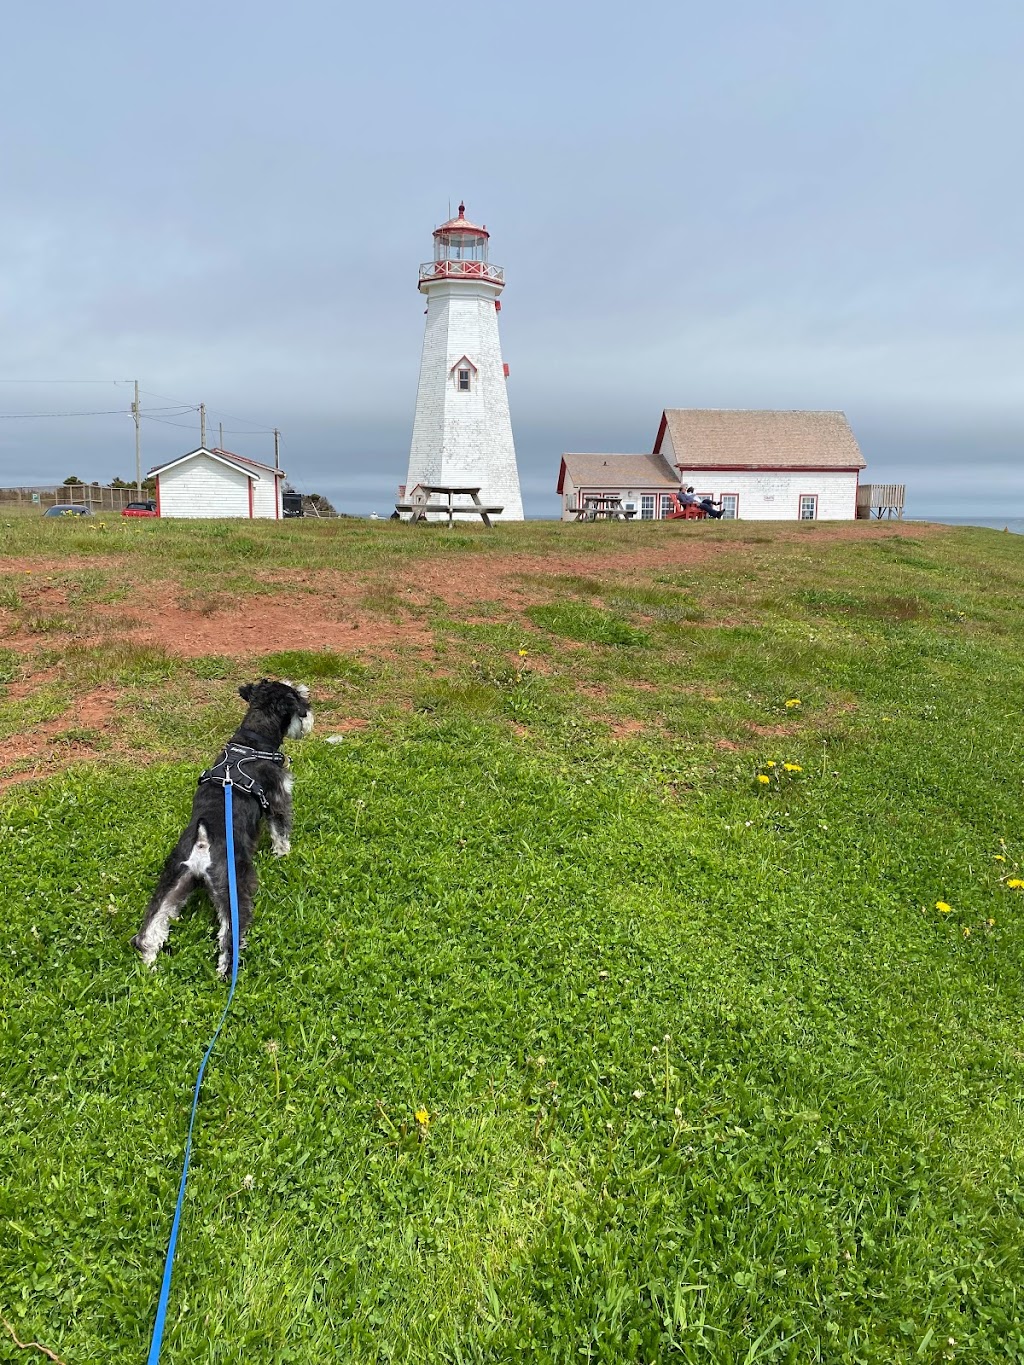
x: 772, y: 731
x: 327, y: 610
x: 625, y: 729
x: 55, y: 743
x: 347, y: 725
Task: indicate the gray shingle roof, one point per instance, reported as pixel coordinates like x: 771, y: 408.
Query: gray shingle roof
x: 708, y: 438
x: 618, y: 471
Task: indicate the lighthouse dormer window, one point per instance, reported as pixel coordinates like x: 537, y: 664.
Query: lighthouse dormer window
x: 461, y: 374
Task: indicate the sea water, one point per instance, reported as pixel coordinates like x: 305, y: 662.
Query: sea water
x: 1014, y: 524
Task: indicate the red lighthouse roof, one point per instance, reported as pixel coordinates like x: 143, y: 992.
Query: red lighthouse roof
x: 460, y: 224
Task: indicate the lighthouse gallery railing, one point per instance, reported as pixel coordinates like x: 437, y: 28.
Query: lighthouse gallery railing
x: 461, y: 270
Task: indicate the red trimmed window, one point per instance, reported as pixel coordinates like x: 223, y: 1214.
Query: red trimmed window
x: 808, y: 507
x: 463, y: 381
x: 730, y: 506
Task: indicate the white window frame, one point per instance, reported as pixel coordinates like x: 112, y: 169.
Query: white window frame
x: 807, y: 497
x: 730, y: 513
x: 464, y: 379
x: 647, y: 506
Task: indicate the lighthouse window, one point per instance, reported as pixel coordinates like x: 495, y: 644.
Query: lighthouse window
x: 464, y: 381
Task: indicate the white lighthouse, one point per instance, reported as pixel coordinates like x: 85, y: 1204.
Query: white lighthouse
x: 462, y: 434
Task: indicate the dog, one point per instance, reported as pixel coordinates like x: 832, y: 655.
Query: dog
x: 261, y: 792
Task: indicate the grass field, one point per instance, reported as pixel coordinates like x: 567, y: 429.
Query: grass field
x: 676, y: 873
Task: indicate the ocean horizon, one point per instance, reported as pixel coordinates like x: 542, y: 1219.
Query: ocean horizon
x: 993, y: 523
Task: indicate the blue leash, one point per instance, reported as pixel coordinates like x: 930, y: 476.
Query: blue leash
x: 165, y: 1287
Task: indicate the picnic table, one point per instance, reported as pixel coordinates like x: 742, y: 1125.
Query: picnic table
x: 451, y: 509
x: 607, y: 505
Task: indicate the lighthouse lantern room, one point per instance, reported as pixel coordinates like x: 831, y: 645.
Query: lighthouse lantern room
x: 462, y: 434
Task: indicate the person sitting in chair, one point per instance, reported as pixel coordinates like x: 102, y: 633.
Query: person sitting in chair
x: 685, y: 498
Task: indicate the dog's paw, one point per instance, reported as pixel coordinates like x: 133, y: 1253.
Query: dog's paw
x: 147, y: 954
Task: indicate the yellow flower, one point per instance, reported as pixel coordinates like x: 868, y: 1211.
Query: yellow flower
x: 794, y: 701
x: 422, y: 1116
x: 943, y: 908
x: 522, y: 653
x: 991, y: 923
x: 792, y: 767
x: 1015, y: 882
x: 761, y: 778
x: 967, y: 932
x: 770, y: 763
x: 999, y: 858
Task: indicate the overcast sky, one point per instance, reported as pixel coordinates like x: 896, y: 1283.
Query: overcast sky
x: 771, y: 203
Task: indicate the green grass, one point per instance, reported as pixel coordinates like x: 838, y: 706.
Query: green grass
x: 709, y: 1076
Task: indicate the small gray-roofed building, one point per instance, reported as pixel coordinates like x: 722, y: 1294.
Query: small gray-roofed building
x: 642, y: 481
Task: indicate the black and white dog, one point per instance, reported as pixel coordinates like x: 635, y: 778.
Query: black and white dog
x: 261, y: 788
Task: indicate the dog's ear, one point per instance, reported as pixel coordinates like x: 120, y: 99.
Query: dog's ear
x: 246, y: 691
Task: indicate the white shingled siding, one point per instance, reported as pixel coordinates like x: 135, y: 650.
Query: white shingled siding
x: 203, y: 487
x: 264, y: 495
x: 768, y: 495
x: 464, y: 437
x: 774, y: 495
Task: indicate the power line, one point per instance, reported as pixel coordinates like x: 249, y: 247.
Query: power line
x: 106, y: 412
x: 189, y: 426
x: 101, y: 412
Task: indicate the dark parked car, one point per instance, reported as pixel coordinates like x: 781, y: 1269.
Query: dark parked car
x: 291, y: 504
x: 67, y: 509
x: 146, y: 508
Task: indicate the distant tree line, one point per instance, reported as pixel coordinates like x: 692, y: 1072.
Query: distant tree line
x: 114, y: 483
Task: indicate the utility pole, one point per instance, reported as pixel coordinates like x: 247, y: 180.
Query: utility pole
x: 138, y: 453
x: 277, y: 449
x: 220, y: 426
x: 202, y: 425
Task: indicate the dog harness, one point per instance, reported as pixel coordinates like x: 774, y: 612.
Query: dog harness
x: 230, y: 770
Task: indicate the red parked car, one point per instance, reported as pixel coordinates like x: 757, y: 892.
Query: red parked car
x: 140, y: 509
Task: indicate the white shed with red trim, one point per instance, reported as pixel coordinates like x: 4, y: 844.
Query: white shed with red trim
x: 218, y: 483
x: 766, y: 465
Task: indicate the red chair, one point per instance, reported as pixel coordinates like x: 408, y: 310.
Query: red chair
x: 686, y: 511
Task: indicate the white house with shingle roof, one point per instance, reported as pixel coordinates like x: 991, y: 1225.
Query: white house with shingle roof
x: 770, y: 466
x: 217, y: 483
x: 761, y: 465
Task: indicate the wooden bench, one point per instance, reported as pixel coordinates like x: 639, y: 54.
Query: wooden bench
x: 609, y: 507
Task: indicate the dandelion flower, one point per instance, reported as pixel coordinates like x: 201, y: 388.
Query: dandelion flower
x: 967, y: 932
x: 794, y: 701
x: 771, y: 763
x: 999, y: 858
x: 943, y: 908
x: 990, y: 923
x: 638, y: 1094
x: 762, y: 778
x: 792, y: 767
x: 422, y: 1117
x: 1015, y: 882
x: 522, y: 654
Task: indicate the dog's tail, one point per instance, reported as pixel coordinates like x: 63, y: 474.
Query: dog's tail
x: 198, y: 861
